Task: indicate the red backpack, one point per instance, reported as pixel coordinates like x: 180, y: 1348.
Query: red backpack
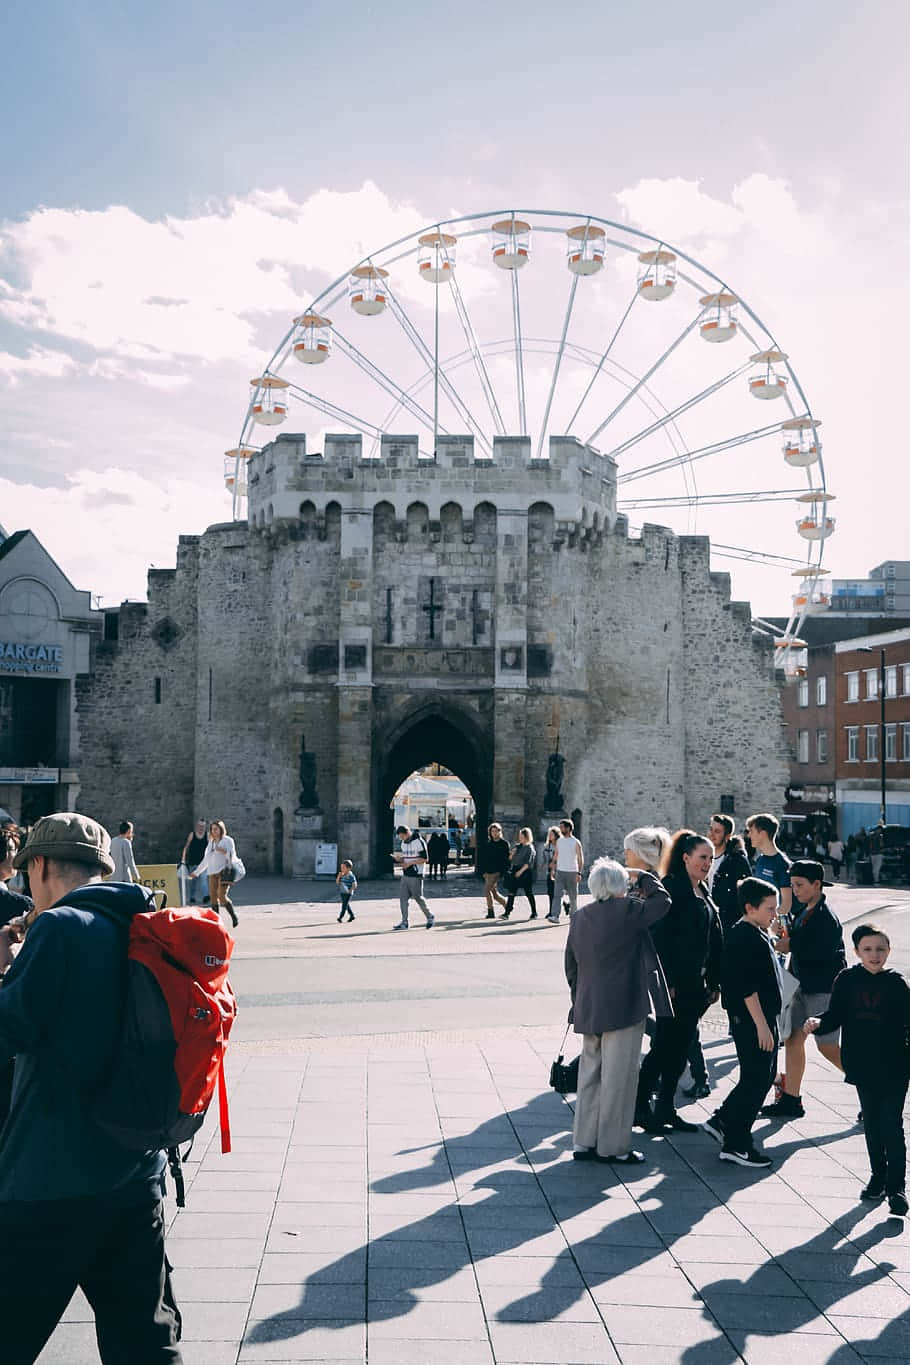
x: 177, y: 1014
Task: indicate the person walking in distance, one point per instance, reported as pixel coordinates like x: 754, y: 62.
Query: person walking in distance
x: 877, y: 852
x: 76, y: 1208
x: 220, y: 853
x: 548, y: 858
x: 769, y: 864
x: 125, y: 869
x: 815, y: 941
x: 836, y: 854
x: 492, y: 862
x: 347, y: 885
x: 871, y: 1007
x: 412, y: 859
x: 192, y: 855
x: 750, y: 989
x: 570, y: 862
x: 522, y: 863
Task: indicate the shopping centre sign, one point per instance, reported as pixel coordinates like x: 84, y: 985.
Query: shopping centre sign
x: 21, y: 658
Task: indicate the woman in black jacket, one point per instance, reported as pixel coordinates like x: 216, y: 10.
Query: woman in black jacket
x: 689, y: 942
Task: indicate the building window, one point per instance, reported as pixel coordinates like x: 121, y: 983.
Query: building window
x: 802, y: 692
x: 905, y: 680
x: 905, y: 745
x: 821, y: 691
x: 853, y: 687
x: 821, y: 746
x: 871, y: 743
x: 891, y: 680
x: 852, y: 743
x: 871, y: 684
x: 802, y: 746
x: 890, y: 743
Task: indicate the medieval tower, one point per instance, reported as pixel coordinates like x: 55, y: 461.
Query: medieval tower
x: 375, y: 615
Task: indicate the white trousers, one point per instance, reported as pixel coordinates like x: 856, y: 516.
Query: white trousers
x: 607, y: 1085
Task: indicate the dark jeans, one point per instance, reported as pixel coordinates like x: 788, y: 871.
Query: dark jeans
x: 114, y: 1254
x: 666, y: 1061
x: 883, y: 1125
x: 551, y: 883
x: 345, y: 906
x: 524, y: 887
x: 698, y: 1067
x: 757, y: 1070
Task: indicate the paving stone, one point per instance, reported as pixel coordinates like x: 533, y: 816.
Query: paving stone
x: 872, y: 1338
x: 742, y: 1279
x: 388, y: 1283
x: 427, y: 1320
x: 296, y: 1267
x: 396, y: 1351
x: 339, y: 1341
x: 213, y: 1286
x: 856, y: 1299
x: 292, y: 1212
x: 532, y: 1271
x: 580, y: 1343
x: 682, y: 1327
x: 764, y: 1312
x: 206, y: 1321
x: 291, y: 1302
x: 816, y: 1349
x: 653, y: 1291
x: 507, y: 1303
x: 211, y: 1253
x: 718, y: 1351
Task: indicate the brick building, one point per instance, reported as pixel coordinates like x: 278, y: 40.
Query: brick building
x: 862, y: 747
x: 375, y: 615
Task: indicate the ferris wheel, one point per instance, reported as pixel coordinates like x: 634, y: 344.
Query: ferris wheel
x: 542, y: 323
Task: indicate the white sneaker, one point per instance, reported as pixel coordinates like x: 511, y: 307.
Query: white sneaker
x: 751, y: 1158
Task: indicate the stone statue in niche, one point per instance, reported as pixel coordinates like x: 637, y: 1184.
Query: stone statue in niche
x: 554, y: 799
x: 309, y: 796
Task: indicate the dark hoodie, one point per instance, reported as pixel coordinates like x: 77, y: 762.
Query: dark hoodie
x: 60, y: 1007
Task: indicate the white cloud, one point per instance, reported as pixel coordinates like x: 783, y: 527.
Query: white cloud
x: 186, y: 287
x: 106, y: 529
x: 37, y: 362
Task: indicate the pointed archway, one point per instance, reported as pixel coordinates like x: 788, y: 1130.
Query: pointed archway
x: 435, y: 732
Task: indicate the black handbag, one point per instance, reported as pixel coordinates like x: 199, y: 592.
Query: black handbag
x: 564, y: 1076
x: 507, y: 885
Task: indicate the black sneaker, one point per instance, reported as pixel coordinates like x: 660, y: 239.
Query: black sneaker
x: 715, y: 1126
x: 875, y: 1190
x: 757, y: 1160
x: 787, y: 1107
x: 699, y: 1091
x: 897, y: 1204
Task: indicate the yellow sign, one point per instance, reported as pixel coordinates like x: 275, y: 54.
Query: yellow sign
x: 162, y: 877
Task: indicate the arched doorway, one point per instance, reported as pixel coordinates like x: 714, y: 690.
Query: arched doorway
x: 435, y: 733
x: 278, y: 841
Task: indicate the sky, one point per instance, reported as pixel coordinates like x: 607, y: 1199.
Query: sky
x: 180, y: 181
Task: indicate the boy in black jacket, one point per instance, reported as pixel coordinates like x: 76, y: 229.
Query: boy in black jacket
x: 871, y: 1006
x: 750, y: 979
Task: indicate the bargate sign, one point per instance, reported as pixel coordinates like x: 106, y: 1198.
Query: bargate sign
x: 22, y: 658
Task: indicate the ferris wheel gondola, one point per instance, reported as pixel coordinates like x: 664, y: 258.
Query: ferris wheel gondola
x: 643, y: 411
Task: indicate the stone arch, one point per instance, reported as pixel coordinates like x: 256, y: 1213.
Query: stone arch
x: 451, y: 520
x: 332, y: 523
x: 418, y: 521
x: 485, y: 524
x: 307, y: 516
x: 433, y: 730
x: 383, y: 521
x: 541, y: 521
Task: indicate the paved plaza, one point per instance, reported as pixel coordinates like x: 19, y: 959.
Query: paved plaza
x: 401, y: 1189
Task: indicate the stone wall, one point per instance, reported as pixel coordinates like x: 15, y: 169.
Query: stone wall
x: 309, y: 630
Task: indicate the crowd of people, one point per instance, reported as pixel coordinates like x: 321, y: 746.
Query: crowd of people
x: 688, y: 921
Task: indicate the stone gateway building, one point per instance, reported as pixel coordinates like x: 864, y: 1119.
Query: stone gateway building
x: 376, y: 615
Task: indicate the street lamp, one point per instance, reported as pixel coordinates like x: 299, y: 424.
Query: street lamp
x: 868, y: 649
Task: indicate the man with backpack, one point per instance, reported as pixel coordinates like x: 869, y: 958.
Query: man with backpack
x: 76, y: 1207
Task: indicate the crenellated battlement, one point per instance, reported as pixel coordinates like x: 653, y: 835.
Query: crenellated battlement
x: 577, y: 480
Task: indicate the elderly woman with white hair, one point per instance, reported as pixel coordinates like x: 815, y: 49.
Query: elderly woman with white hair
x: 611, y: 968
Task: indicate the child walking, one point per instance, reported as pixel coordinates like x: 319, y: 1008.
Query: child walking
x: 750, y: 978
x: 871, y: 1005
x: 347, y: 885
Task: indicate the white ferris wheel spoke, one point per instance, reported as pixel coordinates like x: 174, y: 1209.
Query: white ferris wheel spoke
x: 477, y: 356
x: 711, y: 499
x: 600, y: 364
x: 383, y: 380
x: 646, y: 470
x: 559, y: 354
x: 519, y: 354
x: 644, y: 379
x: 349, y: 419
x: 429, y: 360
x: 677, y: 411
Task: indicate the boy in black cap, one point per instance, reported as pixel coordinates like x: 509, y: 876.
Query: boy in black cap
x: 871, y: 1007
